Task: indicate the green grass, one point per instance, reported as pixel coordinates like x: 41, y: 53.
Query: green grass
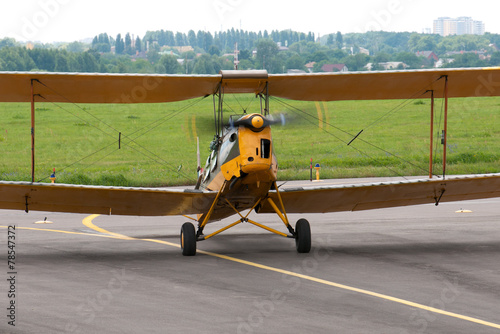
x: 81, y: 141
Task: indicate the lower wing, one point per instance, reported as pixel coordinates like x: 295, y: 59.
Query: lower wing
x: 103, y: 200
x: 384, y: 195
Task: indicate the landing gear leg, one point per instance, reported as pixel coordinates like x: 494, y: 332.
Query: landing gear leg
x: 303, y: 236
x: 188, y: 239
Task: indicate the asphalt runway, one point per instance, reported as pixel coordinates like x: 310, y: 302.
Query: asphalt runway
x: 418, y: 269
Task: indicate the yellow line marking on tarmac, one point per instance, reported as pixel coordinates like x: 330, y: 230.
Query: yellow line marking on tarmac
x: 88, y: 222
x: 62, y: 231
x: 312, y: 279
x: 350, y: 288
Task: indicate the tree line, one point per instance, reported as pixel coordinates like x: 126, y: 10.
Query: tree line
x: 276, y: 51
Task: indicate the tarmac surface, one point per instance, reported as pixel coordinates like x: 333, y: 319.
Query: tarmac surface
x: 416, y: 269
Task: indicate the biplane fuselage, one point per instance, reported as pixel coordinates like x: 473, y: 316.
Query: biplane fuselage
x: 241, y: 165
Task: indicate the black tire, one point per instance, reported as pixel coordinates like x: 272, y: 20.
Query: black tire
x: 188, y: 239
x: 303, y: 236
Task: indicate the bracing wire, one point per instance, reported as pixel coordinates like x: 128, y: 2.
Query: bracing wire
x: 84, y: 158
x: 357, y: 135
x: 343, y: 141
x: 154, y: 157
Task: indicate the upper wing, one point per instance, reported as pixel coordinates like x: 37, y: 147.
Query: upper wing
x: 153, y: 88
x: 103, y: 200
x: 462, y: 82
x: 384, y: 195
x: 124, y: 88
x: 104, y: 88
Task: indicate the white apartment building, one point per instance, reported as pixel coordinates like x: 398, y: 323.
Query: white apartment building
x: 445, y: 26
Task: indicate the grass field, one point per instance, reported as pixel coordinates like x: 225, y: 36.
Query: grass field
x: 158, y: 141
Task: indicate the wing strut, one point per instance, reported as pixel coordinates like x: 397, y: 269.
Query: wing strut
x: 32, y: 132
x: 431, y: 134
x: 445, y: 131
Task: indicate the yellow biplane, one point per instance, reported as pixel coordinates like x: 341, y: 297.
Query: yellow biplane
x: 241, y: 171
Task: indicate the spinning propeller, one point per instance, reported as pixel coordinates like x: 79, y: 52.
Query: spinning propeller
x: 256, y: 122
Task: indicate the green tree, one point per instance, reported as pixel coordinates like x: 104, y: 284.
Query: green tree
x: 329, y: 40
x: 169, y: 64
x: 89, y: 62
x: 410, y: 59
x: 246, y: 64
x: 339, y: 40
x: 467, y: 60
x: 213, y: 50
x: 179, y: 39
x: 153, y: 56
x: 244, y: 54
x: 192, y: 38
x: 266, y: 51
x: 295, y: 62
x: 356, y: 62
x: 138, y: 44
x: 7, y: 42
x: 204, y: 65
x: 381, y: 58
x: 44, y: 58
x: 128, y: 44
x: 61, y: 63
x: 16, y: 59
x: 207, y: 40
x: 101, y: 43
x: 318, y: 56
x: 75, y: 47
x: 141, y: 66
x: 119, y: 45
x: 495, y: 59
x: 420, y: 42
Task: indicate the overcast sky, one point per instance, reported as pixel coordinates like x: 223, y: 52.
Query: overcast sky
x: 70, y: 20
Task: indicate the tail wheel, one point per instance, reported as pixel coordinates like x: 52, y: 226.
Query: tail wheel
x: 188, y: 239
x: 303, y: 236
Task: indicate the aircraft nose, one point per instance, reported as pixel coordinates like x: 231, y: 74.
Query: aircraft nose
x: 257, y: 122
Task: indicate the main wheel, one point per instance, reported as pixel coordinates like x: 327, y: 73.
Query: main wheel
x: 188, y: 239
x: 303, y: 236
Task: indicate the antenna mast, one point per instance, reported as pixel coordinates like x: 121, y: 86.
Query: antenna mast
x: 236, y: 61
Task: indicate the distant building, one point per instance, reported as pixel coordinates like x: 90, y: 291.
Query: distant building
x: 334, y: 68
x: 364, y: 51
x: 443, y: 61
x: 310, y: 66
x: 294, y: 71
x: 182, y: 49
x: 281, y: 48
x: 481, y: 54
x: 427, y: 54
x: 464, y: 25
x: 390, y: 65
